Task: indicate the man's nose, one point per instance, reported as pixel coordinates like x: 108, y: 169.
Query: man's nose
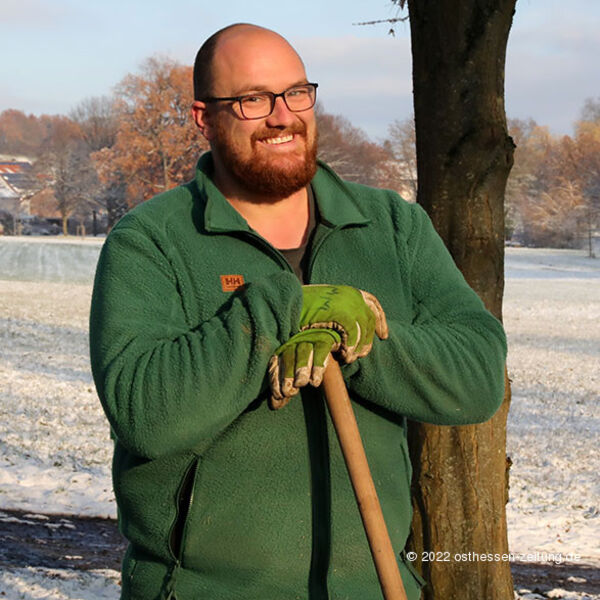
x: 281, y: 114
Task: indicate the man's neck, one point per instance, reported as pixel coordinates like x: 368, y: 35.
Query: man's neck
x: 283, y: 222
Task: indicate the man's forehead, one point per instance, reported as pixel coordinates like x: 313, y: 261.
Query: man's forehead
x: 249, y: 53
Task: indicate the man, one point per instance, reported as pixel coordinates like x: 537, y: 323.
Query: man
x: 201, y: 327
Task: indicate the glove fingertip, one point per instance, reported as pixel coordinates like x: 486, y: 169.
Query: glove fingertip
x: 317, y: 375
x: 276, y: 403
x: 288, y: 388
x: 381, y: 328
x: 302, y: 377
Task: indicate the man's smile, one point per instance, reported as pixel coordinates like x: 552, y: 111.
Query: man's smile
x: 279, y: 140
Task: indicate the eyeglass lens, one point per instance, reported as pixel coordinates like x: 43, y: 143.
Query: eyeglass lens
x: 260, y: 105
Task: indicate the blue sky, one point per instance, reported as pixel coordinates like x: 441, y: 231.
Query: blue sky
x: 55, y: 53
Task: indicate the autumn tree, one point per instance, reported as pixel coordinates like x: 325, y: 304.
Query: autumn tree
x: 550, y: 206
x: 20, y: 134
x: 553, y: 190
x: 464, y: 155
x: 156, y: 145
x: 587, y: 159
x: 31, y: 136
x: 522, y: 180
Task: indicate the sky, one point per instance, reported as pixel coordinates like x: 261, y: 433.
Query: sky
x: 56, y: 53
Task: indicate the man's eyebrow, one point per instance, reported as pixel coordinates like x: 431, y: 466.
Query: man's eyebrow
x: 249, y: 89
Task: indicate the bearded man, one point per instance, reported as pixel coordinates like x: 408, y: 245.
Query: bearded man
x: 209, y: 338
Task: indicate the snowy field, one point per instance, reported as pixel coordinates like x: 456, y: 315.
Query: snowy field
x: 55, y: 450
x: 552, y: 318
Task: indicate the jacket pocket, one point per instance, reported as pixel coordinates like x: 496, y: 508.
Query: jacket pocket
x: 185, y: 498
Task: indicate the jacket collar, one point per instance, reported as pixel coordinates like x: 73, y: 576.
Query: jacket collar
x: 337, y: 205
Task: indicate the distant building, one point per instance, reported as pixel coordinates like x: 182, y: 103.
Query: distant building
x: 15, y: 187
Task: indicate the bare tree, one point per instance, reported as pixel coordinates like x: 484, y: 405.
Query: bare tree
x: 402, y: 144
x: 349, y: 151
x: 97, y: 119
x: 591, y: 110
x: 112, y: 191
x: 68, y: 171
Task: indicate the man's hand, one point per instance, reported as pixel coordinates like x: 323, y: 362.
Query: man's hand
x: 356, y: 315
x: 334, y: 318
x: 300, y: 361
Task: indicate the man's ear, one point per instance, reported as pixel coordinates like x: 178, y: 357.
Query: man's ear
x: 199, y: 114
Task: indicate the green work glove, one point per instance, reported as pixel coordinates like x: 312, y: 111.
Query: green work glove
x: 334, y: 318
x: 300, y: 361
x: 356, y: 315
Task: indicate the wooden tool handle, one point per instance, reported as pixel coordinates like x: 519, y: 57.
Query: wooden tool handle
x: 345, y: 425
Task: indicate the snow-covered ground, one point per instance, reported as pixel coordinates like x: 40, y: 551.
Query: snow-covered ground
x: 552, y: 317
x: 55, y: 450
x: 59, y: 584
x: 49, y: 258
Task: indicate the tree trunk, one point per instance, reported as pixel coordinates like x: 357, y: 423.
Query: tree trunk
x: 65, y: 222
x: 464, y: 156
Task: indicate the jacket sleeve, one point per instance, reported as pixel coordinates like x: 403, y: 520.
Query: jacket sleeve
x: 445, y: 363
x: 166, y: 386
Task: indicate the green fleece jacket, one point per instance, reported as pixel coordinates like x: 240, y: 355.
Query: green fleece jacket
x: 219, y: 496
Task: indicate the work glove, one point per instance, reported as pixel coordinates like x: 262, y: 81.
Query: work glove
x: 356, y: 315
x: 300, y: 361
x: 334, y: 318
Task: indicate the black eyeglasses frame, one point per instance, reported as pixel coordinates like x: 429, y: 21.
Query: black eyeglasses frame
x: 273, y: 96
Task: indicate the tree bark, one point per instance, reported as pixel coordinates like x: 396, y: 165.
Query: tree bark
x: 464, y: 156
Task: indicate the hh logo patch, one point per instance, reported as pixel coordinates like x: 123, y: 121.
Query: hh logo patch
x: 230, y: 283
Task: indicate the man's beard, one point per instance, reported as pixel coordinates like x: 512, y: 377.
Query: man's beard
x: 266, y: 176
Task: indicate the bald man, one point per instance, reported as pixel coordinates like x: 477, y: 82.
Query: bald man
x: 215, y: 307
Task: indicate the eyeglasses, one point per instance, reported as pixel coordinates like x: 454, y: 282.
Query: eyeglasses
x: 261, y: 104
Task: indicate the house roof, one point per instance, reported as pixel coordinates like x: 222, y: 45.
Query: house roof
x: 6, y: 190
x: 14, y: 175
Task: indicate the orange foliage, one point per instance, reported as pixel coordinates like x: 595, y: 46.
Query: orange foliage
x: 554, y: 188
x: 157, y: 143
x: 31, y: 136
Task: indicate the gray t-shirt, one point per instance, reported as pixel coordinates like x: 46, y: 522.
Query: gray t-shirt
x: 297, y: 257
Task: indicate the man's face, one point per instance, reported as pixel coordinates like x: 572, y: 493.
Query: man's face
x: 275, y: 156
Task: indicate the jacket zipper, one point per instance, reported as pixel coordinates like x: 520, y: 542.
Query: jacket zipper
x: 271, y: 250
x: 281, y: 259
x: 316, y: 249
x: 185, y: 499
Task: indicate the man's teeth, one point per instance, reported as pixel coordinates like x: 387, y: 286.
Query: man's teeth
x: 279, y: 140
